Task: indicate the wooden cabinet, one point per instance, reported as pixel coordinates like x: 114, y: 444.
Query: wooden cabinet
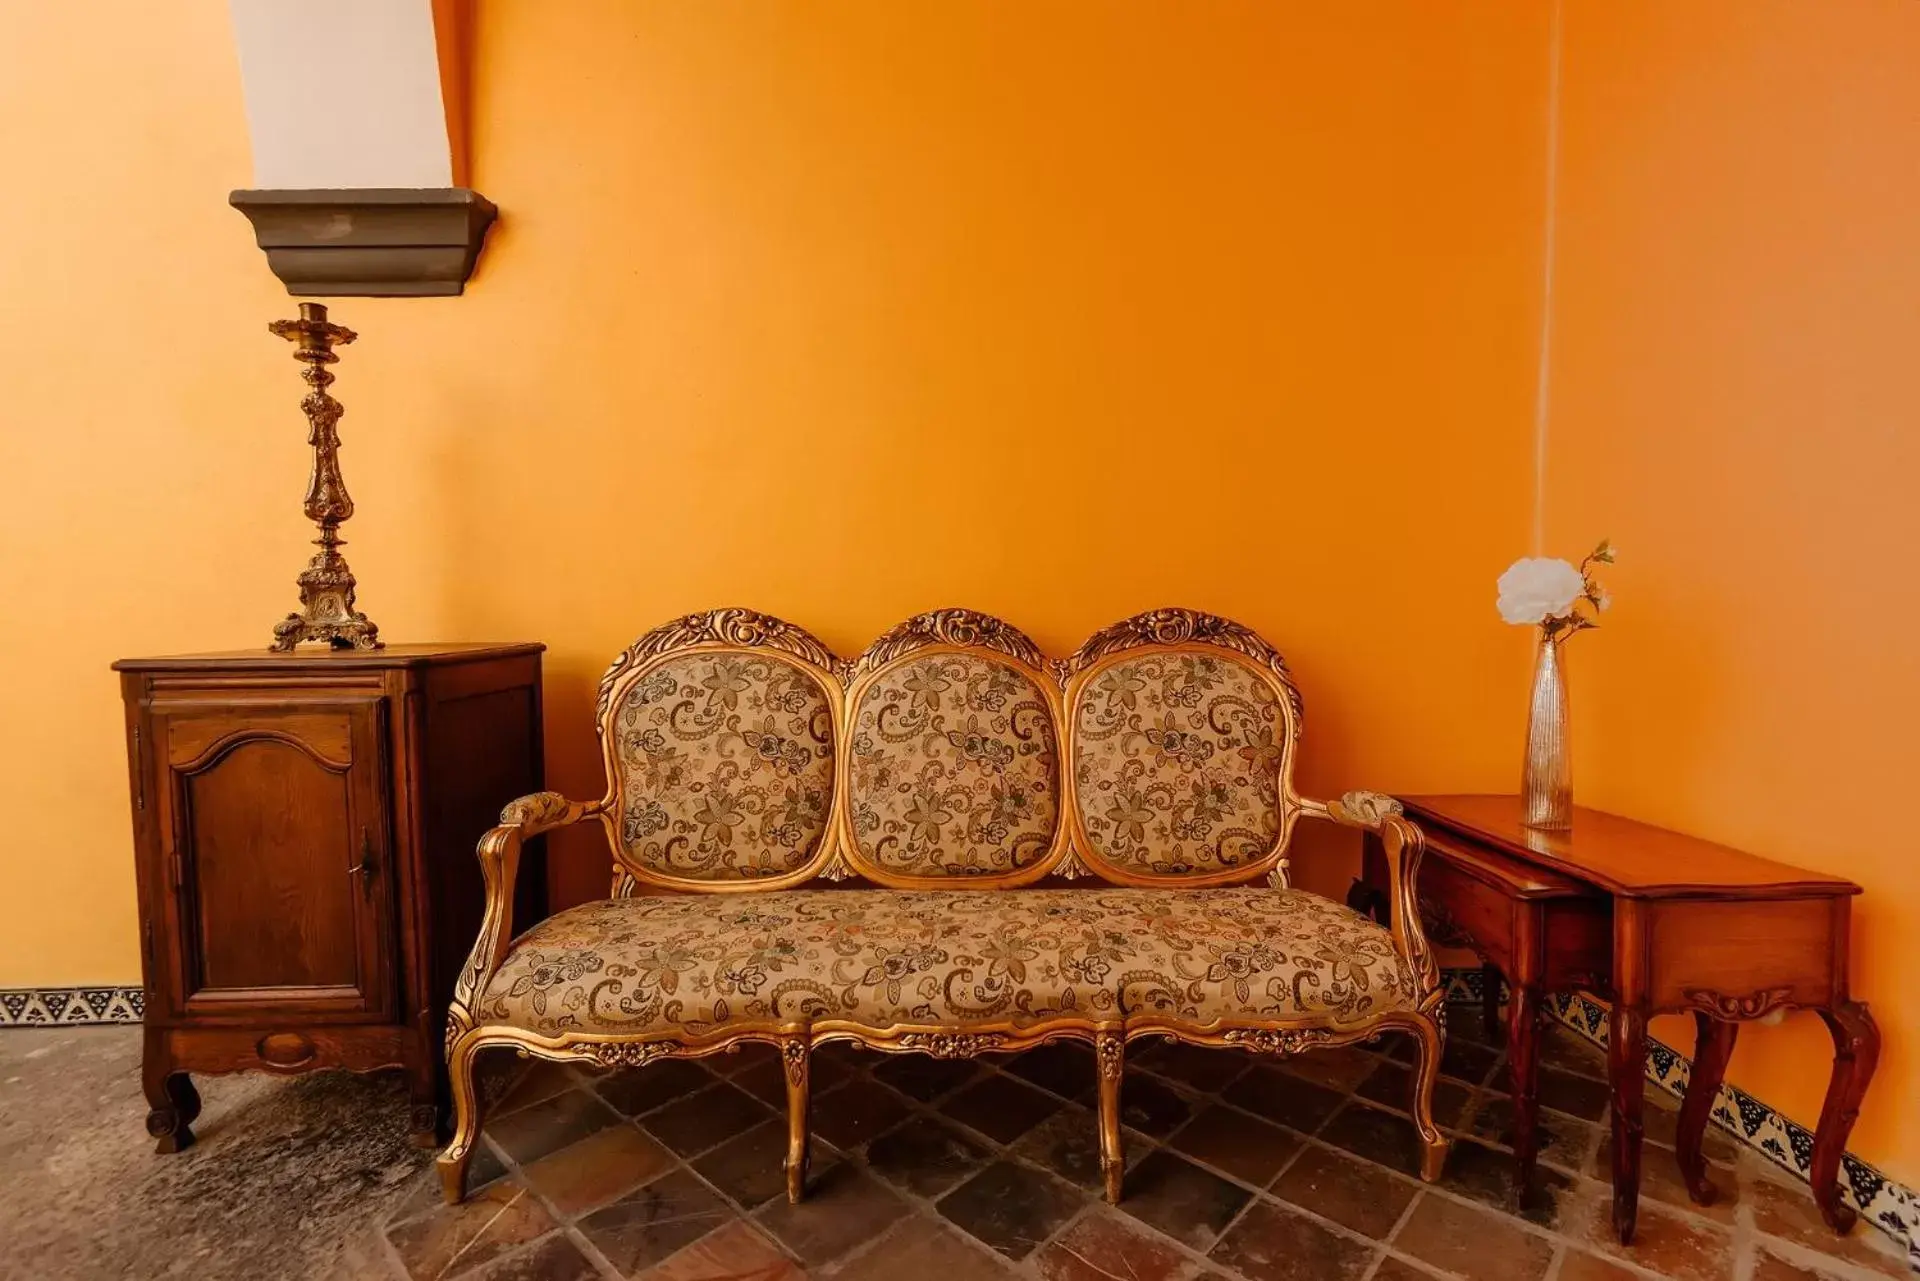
x: 304, y: 827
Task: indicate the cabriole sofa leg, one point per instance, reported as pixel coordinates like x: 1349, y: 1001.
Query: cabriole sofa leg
x: 1110, y: 1049
x: 452, y: 1163
x: 794, y: 1054
x: 1430, y: 1042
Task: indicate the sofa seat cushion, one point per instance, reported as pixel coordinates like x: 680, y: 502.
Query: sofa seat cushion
x: 689, y: 964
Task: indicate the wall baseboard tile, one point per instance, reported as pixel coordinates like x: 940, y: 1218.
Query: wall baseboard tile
x: 1890, y: 1206
x: 70, y: 1006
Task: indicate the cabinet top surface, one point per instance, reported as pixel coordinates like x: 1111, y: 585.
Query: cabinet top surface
x: 314, y: 658
x: 1625, y: 857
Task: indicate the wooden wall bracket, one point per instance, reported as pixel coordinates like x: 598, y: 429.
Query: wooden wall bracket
x: 370, y: 242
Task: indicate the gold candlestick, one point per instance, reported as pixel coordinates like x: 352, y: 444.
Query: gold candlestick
x: 326, y: 584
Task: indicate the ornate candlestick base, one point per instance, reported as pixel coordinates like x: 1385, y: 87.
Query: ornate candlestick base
x: 326, y: 610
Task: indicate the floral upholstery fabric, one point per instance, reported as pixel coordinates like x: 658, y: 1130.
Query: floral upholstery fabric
x: 1177, y: 763
x: 954, y: 768
x: 726, y: 766
x: 685, y: 964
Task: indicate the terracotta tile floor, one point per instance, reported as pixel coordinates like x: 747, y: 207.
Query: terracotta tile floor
x: 1240, y: 1170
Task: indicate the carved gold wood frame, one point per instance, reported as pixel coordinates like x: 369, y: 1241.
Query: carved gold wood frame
x: 981, y: 636
x: 743, y: 631
x: 796, y: 1041
x: 1170, y: 631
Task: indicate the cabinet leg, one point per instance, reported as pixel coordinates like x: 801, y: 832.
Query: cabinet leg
x: 1523, y: 1069
x: 172, y: 1102
x: 424, y: 1094
x: 1626, y: 1071
x: 1712, y: 1047
x: 1856, y: 1050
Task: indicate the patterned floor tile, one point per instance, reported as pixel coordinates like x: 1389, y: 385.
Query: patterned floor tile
x: 1578, y: 1265
x: 1200, y: 1067
x: 1674, y: 1245
x: 1383, y: 1137
x: 1229, y: 1140
x: 1151, y: 1106
x: 1353, y: 1193
x: 1561, y: 1139
x: 552, y: 1258
x: 926, y: 1155
x: 705, y: 1119
x: 1488, y: 1175
x: 1276, y: 1095
x: 647, y: 1225
x: 845, y: 1207
x: 1391, y: 1085
x: 1191, y: 1205
x: 542, y: 1080
x: 551, y: 1124
x: 1578, y: 1096
x: 1011, y: 1208
x: 1064, y: 1067
x: 1272, y: 1242
x: 750, y: 1168
x: 737, y: 1252
x: 590, y: 1172
x: 458, y: 1239
x: 637, y: 1090
x: 1068, y: 1144
x: 1787, y: 1212
x: 923, y: 1077
x: 1103, y: 1246
x: 1472, y: 1242
x: 855, y: 1112
x: 1001, y: 1107
x: 1339, y: 1069
x: 925, y: 1249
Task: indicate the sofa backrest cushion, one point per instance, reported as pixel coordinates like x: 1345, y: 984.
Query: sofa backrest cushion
x: 723, y: 759
x: 954, y: 762
x: 1181, y: 734
x: 742, y: 753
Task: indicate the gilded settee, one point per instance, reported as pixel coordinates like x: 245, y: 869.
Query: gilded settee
x: 968, y: 778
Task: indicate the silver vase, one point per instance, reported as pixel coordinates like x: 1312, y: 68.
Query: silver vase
x: 1546, y: 784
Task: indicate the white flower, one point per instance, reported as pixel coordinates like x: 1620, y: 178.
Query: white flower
x: 1539, y: 587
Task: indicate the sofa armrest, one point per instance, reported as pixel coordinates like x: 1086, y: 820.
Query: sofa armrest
x: 1404, y: 843
x: 499, y: 854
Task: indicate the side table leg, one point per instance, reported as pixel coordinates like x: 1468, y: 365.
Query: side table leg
x: 1712, y: 1047
x: 1523, y: 1067
x: 1856, y: 1050
x: 1490, y: 1001
x: 1626, y: 1072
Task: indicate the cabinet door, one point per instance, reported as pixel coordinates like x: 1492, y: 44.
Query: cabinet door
x: 277, y: 853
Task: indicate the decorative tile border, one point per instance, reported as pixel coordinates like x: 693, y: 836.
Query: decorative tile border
x: 40, y: 1006
x: 1889, y: 1206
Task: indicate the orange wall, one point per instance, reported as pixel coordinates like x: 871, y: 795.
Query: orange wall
x: 1736, y: 399
x: 841, y: 311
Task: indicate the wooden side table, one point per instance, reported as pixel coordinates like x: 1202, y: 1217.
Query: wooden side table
x: 1657, y: 923
x: 304, y: 829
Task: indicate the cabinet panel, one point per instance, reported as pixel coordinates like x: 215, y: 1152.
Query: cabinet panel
x: 278, y: 857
